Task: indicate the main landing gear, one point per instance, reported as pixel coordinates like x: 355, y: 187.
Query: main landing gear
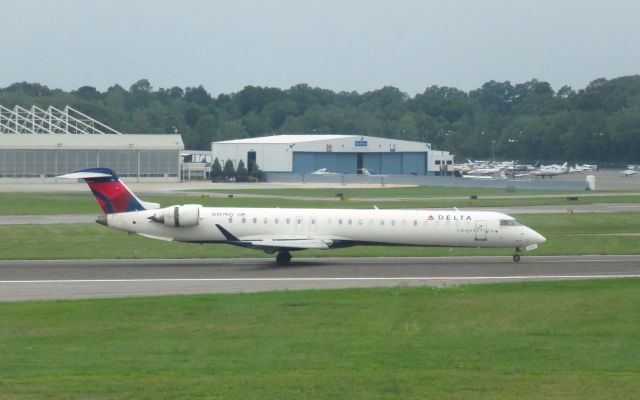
x: 516, y: 256
x: 283, y: 258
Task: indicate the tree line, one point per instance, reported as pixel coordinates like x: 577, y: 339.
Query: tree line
x: 525, y: 121
x: 229, y: 173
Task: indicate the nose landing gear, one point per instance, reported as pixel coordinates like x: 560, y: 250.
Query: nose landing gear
x: 516, y: 256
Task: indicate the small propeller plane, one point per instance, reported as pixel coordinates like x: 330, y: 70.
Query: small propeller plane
x: 283, y: 230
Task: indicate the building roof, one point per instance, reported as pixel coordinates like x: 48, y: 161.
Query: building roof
x: 283, y: 139
x: 66, y: 141
x: 37, y: 120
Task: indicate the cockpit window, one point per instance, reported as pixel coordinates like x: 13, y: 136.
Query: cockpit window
x: 509, y: 222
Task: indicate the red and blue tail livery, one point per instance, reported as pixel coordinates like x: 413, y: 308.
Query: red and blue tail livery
x: 112, y: 194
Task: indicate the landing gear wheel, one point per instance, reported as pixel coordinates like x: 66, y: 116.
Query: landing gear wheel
x: 516, y: 258
x: 283, y: 258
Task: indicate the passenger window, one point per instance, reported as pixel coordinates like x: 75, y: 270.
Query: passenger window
x: 244, y: 220
x: 230, y: 219
x: 349, y: 222
x: 359, y: 222
x: 276, y: 220
x: 288, y: 221
x: 255, y: 220
x: 340, y: 222
x: 415, y: 223
x: 265, y: 220
x: 381, y: 222
x: 393, y: 222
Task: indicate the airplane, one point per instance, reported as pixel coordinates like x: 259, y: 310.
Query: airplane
x: 480, y: 177
x: 630, y: 171
x: 323, y: 171
x: 283, y: 230
x: 487, y: 171
x: 586, y: 168
x: 551, y: 170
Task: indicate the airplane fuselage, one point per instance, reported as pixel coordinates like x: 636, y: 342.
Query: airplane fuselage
x: 336, y: 227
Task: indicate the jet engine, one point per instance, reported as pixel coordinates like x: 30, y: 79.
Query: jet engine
x: 187, y: 215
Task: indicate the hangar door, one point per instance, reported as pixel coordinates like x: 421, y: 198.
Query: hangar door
x: 396, y: 163
x: 307, y: 162
x: 414, y: 163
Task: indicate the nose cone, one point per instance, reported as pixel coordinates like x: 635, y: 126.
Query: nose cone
x: 538, y: 238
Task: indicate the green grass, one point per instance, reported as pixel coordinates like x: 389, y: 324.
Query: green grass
x: 566, y: 234
x: 421, y: 192
x: 84, y: 203
x: 551, y: 340
x: 410, y: 191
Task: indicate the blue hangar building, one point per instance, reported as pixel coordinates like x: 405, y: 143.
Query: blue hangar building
x: 344, y: 154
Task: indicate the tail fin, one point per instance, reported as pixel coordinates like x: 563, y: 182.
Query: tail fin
x: 112, y: 194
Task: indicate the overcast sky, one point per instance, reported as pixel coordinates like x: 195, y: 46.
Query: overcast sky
x: 342, y: 45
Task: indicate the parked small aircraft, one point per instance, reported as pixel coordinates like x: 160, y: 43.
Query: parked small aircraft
x: 586, y: 168
x: 282, y: 230
x: 323, y: 171
x: 549, y: 171
x: 630, y: 171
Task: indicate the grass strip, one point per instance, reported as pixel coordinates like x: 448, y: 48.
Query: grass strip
x: 84, y: 203
x: 551, y: 340
x: 417, y: 192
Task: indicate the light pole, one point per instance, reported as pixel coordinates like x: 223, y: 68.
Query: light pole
x: 493, y: 151
x: 513, y: 162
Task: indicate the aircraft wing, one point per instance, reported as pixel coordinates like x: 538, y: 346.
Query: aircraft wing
x: 273, y: 242
x: 277, y: 243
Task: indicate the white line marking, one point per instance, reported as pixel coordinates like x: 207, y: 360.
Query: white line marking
x: 316, y: 279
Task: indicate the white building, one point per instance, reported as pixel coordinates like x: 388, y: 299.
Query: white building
x: 196, y: 165
x: 346, y: 154
x: 41, y: 144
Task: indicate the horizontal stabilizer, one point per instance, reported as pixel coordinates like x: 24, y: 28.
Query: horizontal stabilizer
x: 85, y: 175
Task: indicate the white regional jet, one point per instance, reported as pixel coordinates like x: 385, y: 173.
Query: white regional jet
x: 282, y: 230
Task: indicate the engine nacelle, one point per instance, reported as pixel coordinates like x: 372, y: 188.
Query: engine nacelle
x: 187, y: 215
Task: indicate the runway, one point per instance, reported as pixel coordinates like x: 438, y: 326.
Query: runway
x: 48, y: 280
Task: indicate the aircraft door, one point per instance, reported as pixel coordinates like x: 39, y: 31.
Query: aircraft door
x: 299, y: 224
x: 481, y: 230
x: 313, y: 224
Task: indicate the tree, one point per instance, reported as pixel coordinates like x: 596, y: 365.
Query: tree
x: 256, y: 173
x: 202, y: 135
x: 216, y: 170
x: 228, y: 171
x: 241, y: 172
x: 88, y: 93
x: 141, y: 92
x: 197, y: 95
